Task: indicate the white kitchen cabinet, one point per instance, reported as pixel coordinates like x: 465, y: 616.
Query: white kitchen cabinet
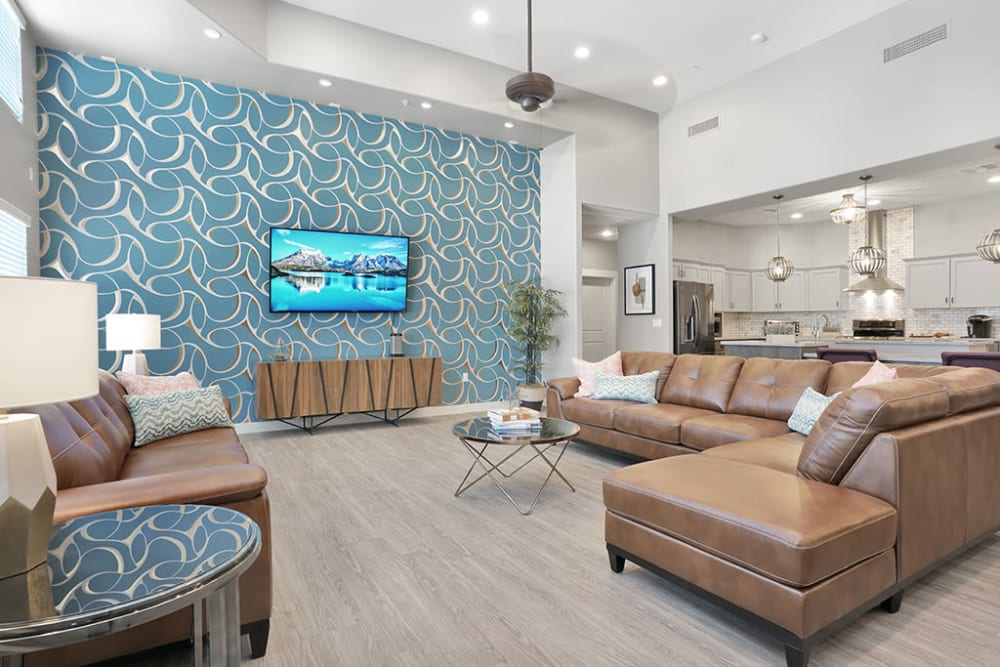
x: 718, y: 280
x: 687, y: 271
x: 738, y: 295
x: 973, y: 282
x: 928, y: 282
x: 769, y: 296
x: 956, y: 281
x: 824, y: 288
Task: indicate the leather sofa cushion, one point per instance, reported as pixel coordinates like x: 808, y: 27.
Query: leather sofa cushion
x: 658, y: 421
x: 209, y: 447
x: 702, y: 381
x: 970, y: 389
x: 714, y: 430
x: 848, y: 424
x: 88, y: 439
x: 592, y: 411
x: 637, y: 363
x: 778, y: 453
x: 786, y: 528
x: 843, y: 375
x: 770, y: 388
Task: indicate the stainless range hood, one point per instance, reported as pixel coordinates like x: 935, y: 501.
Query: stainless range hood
x: 876, y: 238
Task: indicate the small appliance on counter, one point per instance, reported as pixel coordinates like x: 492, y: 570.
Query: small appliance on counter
x: 980, y: 326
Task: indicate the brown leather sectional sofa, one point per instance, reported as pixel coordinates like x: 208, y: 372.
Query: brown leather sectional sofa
x: 97, y: 469
x: 797, y: 534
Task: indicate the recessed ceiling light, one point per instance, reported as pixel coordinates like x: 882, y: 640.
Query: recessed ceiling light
x: 660, y: 80
x: 405, y: 102
x: 326, y: 83
x: 480, y: 17
x: 211, y: 33
x: 582, y: 52
x: 758, y: 38
x: 874, y: 202
x: 993, y: 179
x: 606, y: 233
x: 795, y: 216
x: 425, y: 105
x: 508, y: 124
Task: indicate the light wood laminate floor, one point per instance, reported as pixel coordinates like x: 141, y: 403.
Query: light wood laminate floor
x: 376, y: 563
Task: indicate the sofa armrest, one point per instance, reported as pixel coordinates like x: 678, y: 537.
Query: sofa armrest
x: 214, y: 485
x: 565, y: 387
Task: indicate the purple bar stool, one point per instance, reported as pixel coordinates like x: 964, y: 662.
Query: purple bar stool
x: 836, y: 354
x: 979, y: 359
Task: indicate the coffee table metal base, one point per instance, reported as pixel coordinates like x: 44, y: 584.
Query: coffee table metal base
x: 478, y: 451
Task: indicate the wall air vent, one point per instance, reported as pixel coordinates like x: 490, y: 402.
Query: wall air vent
x: 908, y: 46
x: 704, y: 126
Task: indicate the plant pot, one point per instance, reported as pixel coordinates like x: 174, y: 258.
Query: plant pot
x: 531, y: 395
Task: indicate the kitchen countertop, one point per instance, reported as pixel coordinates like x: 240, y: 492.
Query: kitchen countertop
x: 757, y: 342
x: 830, y: 342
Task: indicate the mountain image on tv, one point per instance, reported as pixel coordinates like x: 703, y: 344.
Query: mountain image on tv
x: 337, y: 271
x: 311, y: 259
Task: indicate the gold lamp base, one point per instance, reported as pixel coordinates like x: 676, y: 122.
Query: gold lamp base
x: 27, y: 494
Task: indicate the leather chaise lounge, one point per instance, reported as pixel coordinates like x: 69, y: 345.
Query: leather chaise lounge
x: 797, y: 534
x: 97, y: 469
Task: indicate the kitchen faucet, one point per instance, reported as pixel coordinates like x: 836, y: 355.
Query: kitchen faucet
x: 817, y: 329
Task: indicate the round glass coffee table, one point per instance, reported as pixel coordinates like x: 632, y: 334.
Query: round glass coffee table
x: 478, y: 434
x: 110, y: 571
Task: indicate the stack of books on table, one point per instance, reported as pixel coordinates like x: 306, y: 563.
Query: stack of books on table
x: 517, y: 420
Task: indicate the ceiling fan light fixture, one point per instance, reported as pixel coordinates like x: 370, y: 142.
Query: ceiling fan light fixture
x: 530, y: 90
x: 848, y: 211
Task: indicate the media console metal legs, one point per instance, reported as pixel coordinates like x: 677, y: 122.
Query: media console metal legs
x: 224, y: 625
x: 478, y: 451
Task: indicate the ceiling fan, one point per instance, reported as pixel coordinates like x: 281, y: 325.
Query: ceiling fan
x: 530, y: 89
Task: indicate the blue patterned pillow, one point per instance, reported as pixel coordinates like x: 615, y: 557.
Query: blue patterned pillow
x: 166, y: 415
x: 641, y: 388
x: 810, y: 406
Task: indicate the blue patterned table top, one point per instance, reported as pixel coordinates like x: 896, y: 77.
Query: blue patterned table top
x: 109, y: 564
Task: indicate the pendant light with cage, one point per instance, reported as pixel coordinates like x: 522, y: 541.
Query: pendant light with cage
x: 779, y: 268
x: 866, y: 260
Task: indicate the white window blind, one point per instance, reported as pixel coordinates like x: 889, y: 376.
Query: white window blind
x: 13, y: 245
x: 11, y: 74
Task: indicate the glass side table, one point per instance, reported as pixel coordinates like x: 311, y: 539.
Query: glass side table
x: 478, y: 434
x: 110, y: 571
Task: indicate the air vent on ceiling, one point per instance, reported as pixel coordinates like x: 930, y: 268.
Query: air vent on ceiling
x: 908, y: 46
x: 980, y: 168
x: 704, y: 126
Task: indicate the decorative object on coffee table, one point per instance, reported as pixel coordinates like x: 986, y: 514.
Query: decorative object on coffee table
x: 640, y: 289
x: 531, y: 311
x: 48, y: 353
x: 135, y: 332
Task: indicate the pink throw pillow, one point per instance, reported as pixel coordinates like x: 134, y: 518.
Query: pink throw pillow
x: 879, y: 372
x: 154, y: 385
x: 587, y: 372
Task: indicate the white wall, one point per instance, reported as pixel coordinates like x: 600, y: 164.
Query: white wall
x: 561, y: 250
x: 599, y: 255
x: 19, y: 162
x: 833, y: 108
x: 955, y: 226
x: 647, y: 242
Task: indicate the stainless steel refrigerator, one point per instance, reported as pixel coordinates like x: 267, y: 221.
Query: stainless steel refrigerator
x: 694, y: 318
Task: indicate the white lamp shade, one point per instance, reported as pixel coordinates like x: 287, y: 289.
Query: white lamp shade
x: 48, y: 341
x: 132, y: 331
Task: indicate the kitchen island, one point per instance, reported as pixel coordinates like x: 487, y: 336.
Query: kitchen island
x: 892, y: 350
x: 798, y: 349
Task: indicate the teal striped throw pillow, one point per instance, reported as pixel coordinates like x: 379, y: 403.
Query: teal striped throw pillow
x: 640, y: 388
x: 810, y: 406
x: 176, y: 413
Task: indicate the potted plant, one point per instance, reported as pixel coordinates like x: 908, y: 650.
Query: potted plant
x: 531, y: 310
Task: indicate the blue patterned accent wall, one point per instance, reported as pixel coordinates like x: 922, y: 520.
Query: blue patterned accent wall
x: 162, y: 190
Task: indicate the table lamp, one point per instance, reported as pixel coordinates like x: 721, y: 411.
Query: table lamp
x: 48, y: 353
x: 135, y: 332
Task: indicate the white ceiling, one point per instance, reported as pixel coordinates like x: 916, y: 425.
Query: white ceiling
x: 698, y: 45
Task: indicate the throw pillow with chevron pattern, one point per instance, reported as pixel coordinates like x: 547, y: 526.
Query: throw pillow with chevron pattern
x: 166, y: 415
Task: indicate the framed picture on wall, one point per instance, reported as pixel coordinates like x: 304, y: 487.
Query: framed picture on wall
x: 640, y: 290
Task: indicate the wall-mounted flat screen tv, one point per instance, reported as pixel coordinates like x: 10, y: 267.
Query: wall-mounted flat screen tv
x: 319, y: 271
